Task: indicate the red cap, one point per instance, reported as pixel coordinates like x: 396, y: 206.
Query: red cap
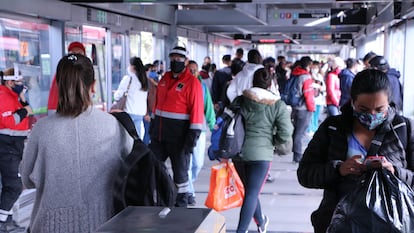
x: 76, y: 44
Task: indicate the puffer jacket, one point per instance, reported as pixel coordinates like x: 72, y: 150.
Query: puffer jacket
x: 396, y: 87
x: 330, y: 144
x: 263, y: 113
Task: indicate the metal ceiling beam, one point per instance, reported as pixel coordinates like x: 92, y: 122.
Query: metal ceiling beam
x: 215, y: 17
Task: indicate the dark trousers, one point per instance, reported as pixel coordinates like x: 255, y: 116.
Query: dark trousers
x: 11, y: 151
x: 180, y: 161
x: 301, y: 121
x: 253, y: 175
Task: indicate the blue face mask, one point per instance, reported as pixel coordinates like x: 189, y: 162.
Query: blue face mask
x: 18, y: 88
x: 371, y: 121
x: 153, y: 75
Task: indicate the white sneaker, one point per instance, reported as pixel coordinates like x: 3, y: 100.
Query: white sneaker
x: 263, y: 227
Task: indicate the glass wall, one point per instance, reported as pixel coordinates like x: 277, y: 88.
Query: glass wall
x: 147, y: 49
x: 25, y: 45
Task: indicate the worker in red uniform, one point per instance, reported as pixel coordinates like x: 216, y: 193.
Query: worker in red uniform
x: 178, y: 120
x: 14, y: 128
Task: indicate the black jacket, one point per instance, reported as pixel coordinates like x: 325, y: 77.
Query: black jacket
x: 330, y: 144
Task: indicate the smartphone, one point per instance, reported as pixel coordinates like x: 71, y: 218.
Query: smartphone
x: 369, y: 160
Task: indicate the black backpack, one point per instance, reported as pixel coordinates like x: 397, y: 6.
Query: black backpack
x: 142, y: 179
x: 227, y: 137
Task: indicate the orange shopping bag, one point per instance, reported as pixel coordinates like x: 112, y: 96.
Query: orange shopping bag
x: 226, y: 189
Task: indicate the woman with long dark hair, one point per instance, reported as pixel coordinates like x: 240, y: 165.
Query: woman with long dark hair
x: 72, y: 156
x: 136, y: 83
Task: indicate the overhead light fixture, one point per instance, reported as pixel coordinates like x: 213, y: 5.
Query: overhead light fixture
x: 318, y: 21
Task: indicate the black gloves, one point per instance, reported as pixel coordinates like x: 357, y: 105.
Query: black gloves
x: 191, y: 140
x: 22, y: 112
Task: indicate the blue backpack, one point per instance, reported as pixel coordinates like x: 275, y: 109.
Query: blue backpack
x: 291, y: 94
x: 227, y: 137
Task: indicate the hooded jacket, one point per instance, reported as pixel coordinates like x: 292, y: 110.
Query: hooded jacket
x: 345, y: 82
x: 305, y: 86
x: 265, y: 115
x: 396, y: 87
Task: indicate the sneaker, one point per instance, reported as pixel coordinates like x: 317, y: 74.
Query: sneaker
x: 269, y: 178
x: 181, y: 200
x: 263, y: 227
x: 191, y: 200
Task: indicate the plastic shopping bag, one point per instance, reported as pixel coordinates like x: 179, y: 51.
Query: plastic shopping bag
x: 226, y: 189
x: 382, y: 203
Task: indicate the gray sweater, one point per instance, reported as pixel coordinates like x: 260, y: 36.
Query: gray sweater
x: 72, y: 162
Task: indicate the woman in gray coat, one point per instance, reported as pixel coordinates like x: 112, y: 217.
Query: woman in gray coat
x: 265, y: 116
x: 72, y: 156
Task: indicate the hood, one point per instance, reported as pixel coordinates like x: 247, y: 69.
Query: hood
x: 393, y: 72
x: 297, y: 71
x: 257, y: 99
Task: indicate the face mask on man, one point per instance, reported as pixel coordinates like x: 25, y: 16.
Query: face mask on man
x: 177, y: 66
x: 369, y: 120
x: 18, y: 88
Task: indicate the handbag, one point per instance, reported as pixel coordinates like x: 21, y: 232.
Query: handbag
x: 226, y: 189
x: 120, y: 104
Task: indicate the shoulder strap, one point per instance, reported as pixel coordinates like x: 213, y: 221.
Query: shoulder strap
x: 129, y: 84
x: 400, y: 125
x: 376, y: 144
x: 127, y: 123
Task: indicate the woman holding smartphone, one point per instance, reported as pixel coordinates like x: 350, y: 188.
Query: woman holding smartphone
x: 338, y: 153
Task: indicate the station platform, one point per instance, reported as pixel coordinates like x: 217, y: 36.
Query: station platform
x: 287, y: 204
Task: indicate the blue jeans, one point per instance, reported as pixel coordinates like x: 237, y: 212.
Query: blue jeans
x: 315, y: 119
x: 196, y: 161
x: 301, y: 120
x: 254, y: 176
x: 147, y: 138
x: 138, y: 122
x: 333, y: 110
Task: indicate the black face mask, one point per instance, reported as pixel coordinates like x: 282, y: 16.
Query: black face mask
x: 18, y: 89
x: 177, y: 66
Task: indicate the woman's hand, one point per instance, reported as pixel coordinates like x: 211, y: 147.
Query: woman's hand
x: 387, y: 165
x: 352, y: 166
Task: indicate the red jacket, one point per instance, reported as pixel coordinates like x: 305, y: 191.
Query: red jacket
x: 308, y: 92
x: 179, y: 107
x: 53, y: 95
x: 333, y: 90
x: 8, y: 105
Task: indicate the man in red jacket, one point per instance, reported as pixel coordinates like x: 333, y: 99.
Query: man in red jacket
x: 76, y: 48
x: 178, y: 120
x: 14, y: 128
x: 302, y: 114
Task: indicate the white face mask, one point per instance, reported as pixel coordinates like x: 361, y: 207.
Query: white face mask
x: 314, y: 71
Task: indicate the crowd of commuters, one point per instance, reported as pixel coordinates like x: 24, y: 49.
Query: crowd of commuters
x: 172, y: 111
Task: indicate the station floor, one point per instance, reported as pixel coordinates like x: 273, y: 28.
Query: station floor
x: 287, y: 204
